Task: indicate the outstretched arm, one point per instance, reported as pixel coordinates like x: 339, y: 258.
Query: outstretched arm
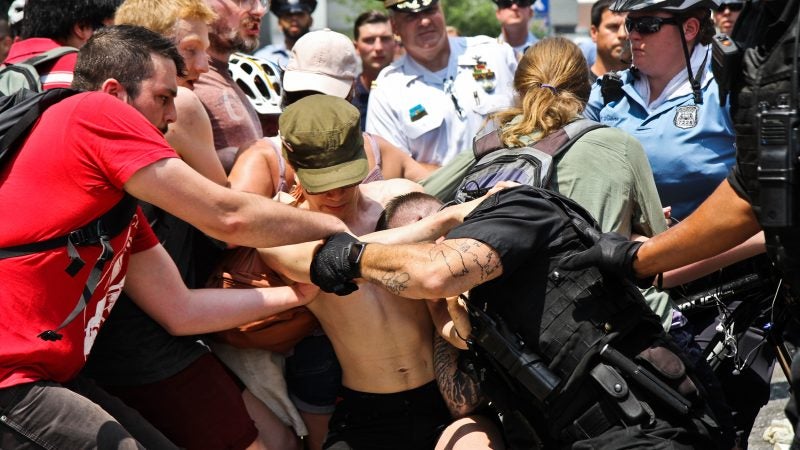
x: 235, y: 217
x: 429, y: 270
x: 294, y: 261
x: 153, y: 278
x: 723, y: 221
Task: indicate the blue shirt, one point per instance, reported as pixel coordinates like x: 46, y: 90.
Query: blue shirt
x: 690, y: 147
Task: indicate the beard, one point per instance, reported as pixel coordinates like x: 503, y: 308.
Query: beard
x: 230, y: 40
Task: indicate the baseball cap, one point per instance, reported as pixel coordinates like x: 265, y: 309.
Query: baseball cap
x: 321, y: 137
x: 323, y: 61
x: 412, y: 6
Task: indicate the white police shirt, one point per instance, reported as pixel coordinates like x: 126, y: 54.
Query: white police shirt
x: 434, y: 116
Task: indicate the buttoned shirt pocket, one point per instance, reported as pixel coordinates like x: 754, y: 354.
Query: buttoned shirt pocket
x: 420, y: 118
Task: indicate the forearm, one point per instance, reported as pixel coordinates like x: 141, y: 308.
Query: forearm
x: 154, y: 284
x: 292, y: 261
x: 723, y: 221
x: 749, y: 248
x: 430, y: 270
x: 452, y: 325
x: 460, y: 392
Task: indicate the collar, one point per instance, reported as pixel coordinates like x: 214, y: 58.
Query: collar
x: 27, y: 48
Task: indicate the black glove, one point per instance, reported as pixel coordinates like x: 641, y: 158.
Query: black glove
x: 612, y: 253
x: 331, y: 269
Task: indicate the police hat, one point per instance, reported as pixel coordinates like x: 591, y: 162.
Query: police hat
x: 281, y: 7
x: 411, y: 6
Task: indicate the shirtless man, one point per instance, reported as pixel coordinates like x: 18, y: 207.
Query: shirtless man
x: 389, y: 396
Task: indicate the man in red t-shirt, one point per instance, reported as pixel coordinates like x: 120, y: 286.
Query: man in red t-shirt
x: 50, y: 24
x: 81, y: 157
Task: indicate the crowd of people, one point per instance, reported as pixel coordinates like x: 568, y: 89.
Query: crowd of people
x: 331, y: 165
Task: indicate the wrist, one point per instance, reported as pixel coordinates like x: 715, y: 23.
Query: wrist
x: 355, y: 252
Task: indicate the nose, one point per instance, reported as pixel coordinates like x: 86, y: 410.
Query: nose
x: 201, y: 63
x: 171, y: 114
x: 378, y: 44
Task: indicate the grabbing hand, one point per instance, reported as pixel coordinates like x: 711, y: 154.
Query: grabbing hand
x: 611, y: 252
x: 331, y: 268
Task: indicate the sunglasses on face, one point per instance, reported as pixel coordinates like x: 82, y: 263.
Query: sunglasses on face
x: 733, y: 7
x: 648, y: 24
x: 502, y: 4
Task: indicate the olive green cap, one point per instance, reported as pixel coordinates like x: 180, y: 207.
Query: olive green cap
x: 322, y: 140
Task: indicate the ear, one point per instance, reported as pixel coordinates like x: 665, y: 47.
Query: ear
x: 691, y: 28
x: 593, y: 33
x: 115, y: 88
x: 81, y: 33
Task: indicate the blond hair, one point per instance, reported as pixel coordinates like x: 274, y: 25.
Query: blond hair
x: 161, y: 16
x: 552, y: 82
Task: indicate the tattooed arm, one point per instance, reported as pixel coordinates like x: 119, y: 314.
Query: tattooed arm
x: 429, y: 270
x: 461, y: 393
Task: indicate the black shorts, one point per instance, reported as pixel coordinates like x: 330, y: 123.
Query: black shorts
x: 405, y: 420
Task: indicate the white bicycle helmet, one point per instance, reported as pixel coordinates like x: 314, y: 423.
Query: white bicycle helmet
x: 666, y: 5
x: 259, y: 79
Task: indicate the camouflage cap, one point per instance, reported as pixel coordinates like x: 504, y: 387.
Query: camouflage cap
x: 322, y: 140
x: 411, y: 6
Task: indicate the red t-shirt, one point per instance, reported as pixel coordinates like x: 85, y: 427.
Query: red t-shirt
x: 56, y: 74
x: 70, y: 170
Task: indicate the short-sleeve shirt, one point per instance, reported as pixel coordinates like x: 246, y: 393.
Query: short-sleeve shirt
x: 233, y: 119
x: 69, y: 171
x: 434, y: 116
x: 56, y: 74
x: 690, y: 146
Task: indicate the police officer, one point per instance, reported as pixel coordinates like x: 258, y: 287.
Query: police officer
x: 433, y: 100
x: 670, y: 96
x: 294, y: 20
x: 515, y: 19
x: 751, y: 198
x: 573, y: 346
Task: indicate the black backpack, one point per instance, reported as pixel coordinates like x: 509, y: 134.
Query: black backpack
x: 18, y: 113
x: 532, y: 166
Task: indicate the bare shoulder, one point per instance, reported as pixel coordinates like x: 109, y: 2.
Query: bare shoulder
x: 385, y: 190
x: 186, y: 102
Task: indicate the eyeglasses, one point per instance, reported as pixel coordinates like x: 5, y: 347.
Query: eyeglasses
x: 648, y: 24
x: 502, y: 4
x: 733, y: 7
x: 252, y: 3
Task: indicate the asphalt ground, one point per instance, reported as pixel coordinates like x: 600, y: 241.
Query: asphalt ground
x: 771, y: 417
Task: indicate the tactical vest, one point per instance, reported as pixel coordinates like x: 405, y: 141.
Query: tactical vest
x: 764, y: 84
x: 561, y: 337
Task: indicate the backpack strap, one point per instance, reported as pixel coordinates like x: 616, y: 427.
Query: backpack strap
x: 557, y: 142
x: 18, y: 113
x: 27, y: 68
x: 99, y: 231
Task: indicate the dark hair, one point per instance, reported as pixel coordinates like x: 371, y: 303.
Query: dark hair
x: 124, y: 53
x: 407, y: 208
x: 54, y: 19
x: 598, y: 9
x: 368, y: 17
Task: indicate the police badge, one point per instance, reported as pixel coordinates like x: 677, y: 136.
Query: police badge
x: 686, y: 116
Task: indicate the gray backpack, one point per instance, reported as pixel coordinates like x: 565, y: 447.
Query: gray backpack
x: 532, y: 166
x: 25, y: 75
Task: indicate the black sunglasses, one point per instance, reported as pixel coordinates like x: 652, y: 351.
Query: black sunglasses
x: 734, y: 7
x: 648, y: 24
x: 502, y: 4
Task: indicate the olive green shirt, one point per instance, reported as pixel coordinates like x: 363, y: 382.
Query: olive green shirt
x: 607, y: 172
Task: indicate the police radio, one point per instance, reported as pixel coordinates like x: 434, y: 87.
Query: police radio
x: 777, y: 161
x: 726, y: 58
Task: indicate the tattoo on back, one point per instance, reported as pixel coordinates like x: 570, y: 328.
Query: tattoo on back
x: 460, y: 392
